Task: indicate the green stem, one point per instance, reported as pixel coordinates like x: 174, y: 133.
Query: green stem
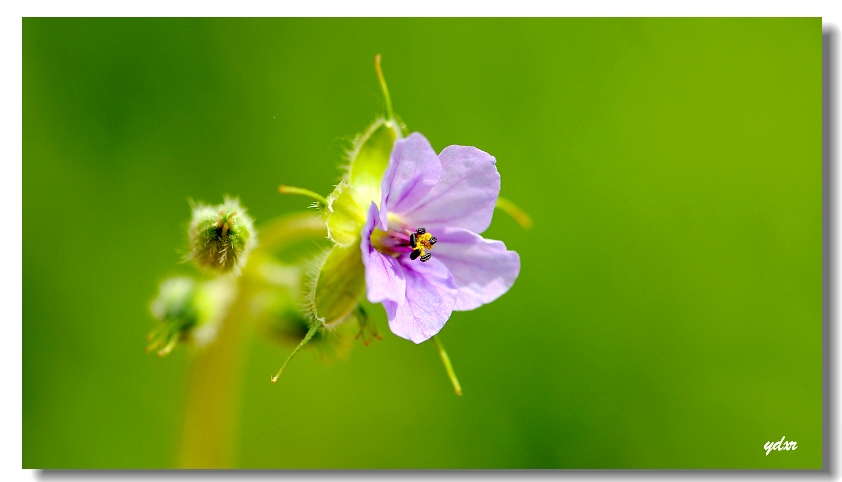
x: 304, y: 192
x: 306, y: 339
x: 212, y: 408
x: 277, y: 234
x: 212, y: 403
x: 383, y: 86
x: 447, y: 366
x: 515, y: 212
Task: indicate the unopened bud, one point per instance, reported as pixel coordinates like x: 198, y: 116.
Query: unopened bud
x: 221, y: 236
x: 176, y: 311
x: 188, y: 310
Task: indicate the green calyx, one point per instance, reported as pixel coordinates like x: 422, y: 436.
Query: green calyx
x: 344, y: 214
x: 347, y: 206
x: 338, y: 286
x: 338, y: 282
x: 370, y: 157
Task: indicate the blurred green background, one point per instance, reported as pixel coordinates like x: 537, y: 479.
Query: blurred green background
x: 668, y: 310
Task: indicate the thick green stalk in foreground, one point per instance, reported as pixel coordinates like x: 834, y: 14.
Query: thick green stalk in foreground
x: 213, y: 392
x: 210, y: 418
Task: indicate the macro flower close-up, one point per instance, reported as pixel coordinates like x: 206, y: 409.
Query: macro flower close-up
x: 422, y: 250
x: 545, y: 243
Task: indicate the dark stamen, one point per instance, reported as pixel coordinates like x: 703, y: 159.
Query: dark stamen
x: 426, y: 257
x: 433, y: 240
x: 415, y: 254
x: 421, y: 230
x: 412, y: 240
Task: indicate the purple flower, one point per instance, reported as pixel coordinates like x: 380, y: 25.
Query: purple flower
x: 423, y: 255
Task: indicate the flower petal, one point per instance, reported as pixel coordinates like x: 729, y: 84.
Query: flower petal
x: 413, y: 170
x: 466, y: 194
x: 430, y: 297
x: 482, y: 268
x: 384, y: 276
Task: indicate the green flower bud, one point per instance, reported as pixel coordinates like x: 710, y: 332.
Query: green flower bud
x: 188, y: 311
x: 221, y: 236
x: 175, y: 301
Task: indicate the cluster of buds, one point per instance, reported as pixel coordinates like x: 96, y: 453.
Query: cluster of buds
x: 188, y: 309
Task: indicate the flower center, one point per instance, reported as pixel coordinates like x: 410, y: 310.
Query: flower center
x: 404, y: 240
x: 420, y: 241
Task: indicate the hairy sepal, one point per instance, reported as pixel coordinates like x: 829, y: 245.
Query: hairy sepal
x: 338, y: 286
x: 344, y: 214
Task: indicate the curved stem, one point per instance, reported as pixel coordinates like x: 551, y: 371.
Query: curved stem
x: 383, y: 86
x: 307, y: 338
x: 447, y: 366
x: 304, y: 192
x: 279, y: 233
x: 514, y: 211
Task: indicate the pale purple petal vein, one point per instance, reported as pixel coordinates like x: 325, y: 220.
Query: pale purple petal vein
x: 483, y: 269
x: 413, y: 170
x: 465, y: 196
x: 430, y: 297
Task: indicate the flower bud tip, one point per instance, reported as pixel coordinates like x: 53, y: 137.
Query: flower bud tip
x: 221, y: 236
